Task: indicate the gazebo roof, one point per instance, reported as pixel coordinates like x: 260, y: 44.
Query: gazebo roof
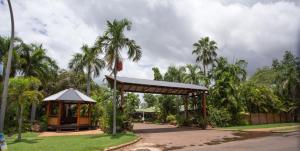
x: 70, y: 95
x: 154, y: 86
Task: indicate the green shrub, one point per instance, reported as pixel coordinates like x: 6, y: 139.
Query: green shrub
x: 219, y: 117
x: 171, y: 118
x: 182, y: 121
x: 201, y: 122
x: 243, y: 118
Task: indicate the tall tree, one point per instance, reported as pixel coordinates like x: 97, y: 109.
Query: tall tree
x: 24, y: 91
x: 157, y: 74
x: 8, y: 66
x: 113, y: 42
x: 193, y: 75
x: 88, y: 62
x: 35, y: 62
x: 205, y: 51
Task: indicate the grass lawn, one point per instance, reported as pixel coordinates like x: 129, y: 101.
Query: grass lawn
x: 32, y: 142
x: 261, y: 126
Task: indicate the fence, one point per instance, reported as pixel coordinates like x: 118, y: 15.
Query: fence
x: 266, y: 118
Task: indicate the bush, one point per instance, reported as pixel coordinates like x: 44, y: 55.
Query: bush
x: 182, y: 121
x: 171, y: 119
x: 243, y: 118
x: 202, y: 123
x: 219, y: 117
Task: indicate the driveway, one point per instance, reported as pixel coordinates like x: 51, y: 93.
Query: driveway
x: 282, y: 142
x: 157, y: 137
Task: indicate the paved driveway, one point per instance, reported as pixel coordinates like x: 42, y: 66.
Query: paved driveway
x: 282, y: 142
x: 166, y: 137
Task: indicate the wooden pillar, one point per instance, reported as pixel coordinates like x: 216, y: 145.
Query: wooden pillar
x: 195, y: 102
x: 89, y: 114
x: 59, y: 115
x: 186, y: 107
x: 78, y: 116
x: 48, y: 109
x: 204, y: 105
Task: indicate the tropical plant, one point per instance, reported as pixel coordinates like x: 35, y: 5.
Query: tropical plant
x: 194, y: 75
x: 132, y: 103
x: 113, y: 42
x: 157, y: 74
x: 225, y: 92
x: 24, y: 91
x: 205, y: 51
x: 35, y: 62
x: 88, y: 62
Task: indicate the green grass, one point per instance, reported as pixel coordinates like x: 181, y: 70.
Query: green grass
x: 275, y: 125
x: 32, y: 142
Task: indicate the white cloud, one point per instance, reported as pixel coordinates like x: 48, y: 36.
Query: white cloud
x: 257, y: 31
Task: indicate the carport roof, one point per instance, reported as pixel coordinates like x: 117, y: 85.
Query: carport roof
x: 154, y: 86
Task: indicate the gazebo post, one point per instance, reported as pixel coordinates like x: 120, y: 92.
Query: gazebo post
x: 186, y: 107
x: 78, y: 116
x: 48, y: 108
x: 59, y: 116
x: 195, y: 102
x: 89, y: 114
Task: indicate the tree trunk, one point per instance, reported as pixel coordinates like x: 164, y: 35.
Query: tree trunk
x: 7, y: 70
x: 33, y: 113
x: 204, y: 70
x: 114, y: 102
x: 20, y: 122
x: 88, y: 84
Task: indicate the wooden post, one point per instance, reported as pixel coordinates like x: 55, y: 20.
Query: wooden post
x: 195, y: 102
x: 78, y: 116
x: 204, y: 105
x: 89, y: 114
x: 59, y: 116
x: 186, y: 107
x: 48, y: 109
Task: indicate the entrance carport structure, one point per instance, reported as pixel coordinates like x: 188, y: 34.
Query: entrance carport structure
x: 69, y: 109
x: 197, y: 92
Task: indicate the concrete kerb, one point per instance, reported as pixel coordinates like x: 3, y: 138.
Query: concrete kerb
x: 122, y: 145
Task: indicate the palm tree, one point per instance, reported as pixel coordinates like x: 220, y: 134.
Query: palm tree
x: 205, y: 50
x: 87, y: 61
x: 7, y: 72
x: 193, y: 75
x: 35, y: 62
x: 113, y: 42
x: 4, y: 49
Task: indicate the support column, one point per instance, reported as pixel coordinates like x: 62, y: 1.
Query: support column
x: 78, y: 116
x: 48, y: 109
x: 90, y: 114
x: 204, y: 105
x: 59, y: 116
x: 186, y: 107
x: 195, y: 102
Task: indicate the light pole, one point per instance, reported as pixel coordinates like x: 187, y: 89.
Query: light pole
x: 7, y: 69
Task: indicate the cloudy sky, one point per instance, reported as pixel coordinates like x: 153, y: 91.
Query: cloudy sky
x: 254, y: 30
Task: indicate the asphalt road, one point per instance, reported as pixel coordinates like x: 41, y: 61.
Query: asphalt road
x: 280, y: 142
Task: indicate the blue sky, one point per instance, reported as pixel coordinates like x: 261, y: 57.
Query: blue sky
x: 255, y: 30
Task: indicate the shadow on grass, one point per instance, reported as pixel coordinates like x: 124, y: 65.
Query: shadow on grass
x: 28, y: 141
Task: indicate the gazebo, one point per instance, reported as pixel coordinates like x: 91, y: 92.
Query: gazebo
x: 69, y: 109
x: 195, y: 92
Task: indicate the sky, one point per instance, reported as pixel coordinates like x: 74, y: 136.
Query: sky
x: 254, y: 30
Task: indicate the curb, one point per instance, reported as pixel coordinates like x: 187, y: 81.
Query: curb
x: 122, y: 145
